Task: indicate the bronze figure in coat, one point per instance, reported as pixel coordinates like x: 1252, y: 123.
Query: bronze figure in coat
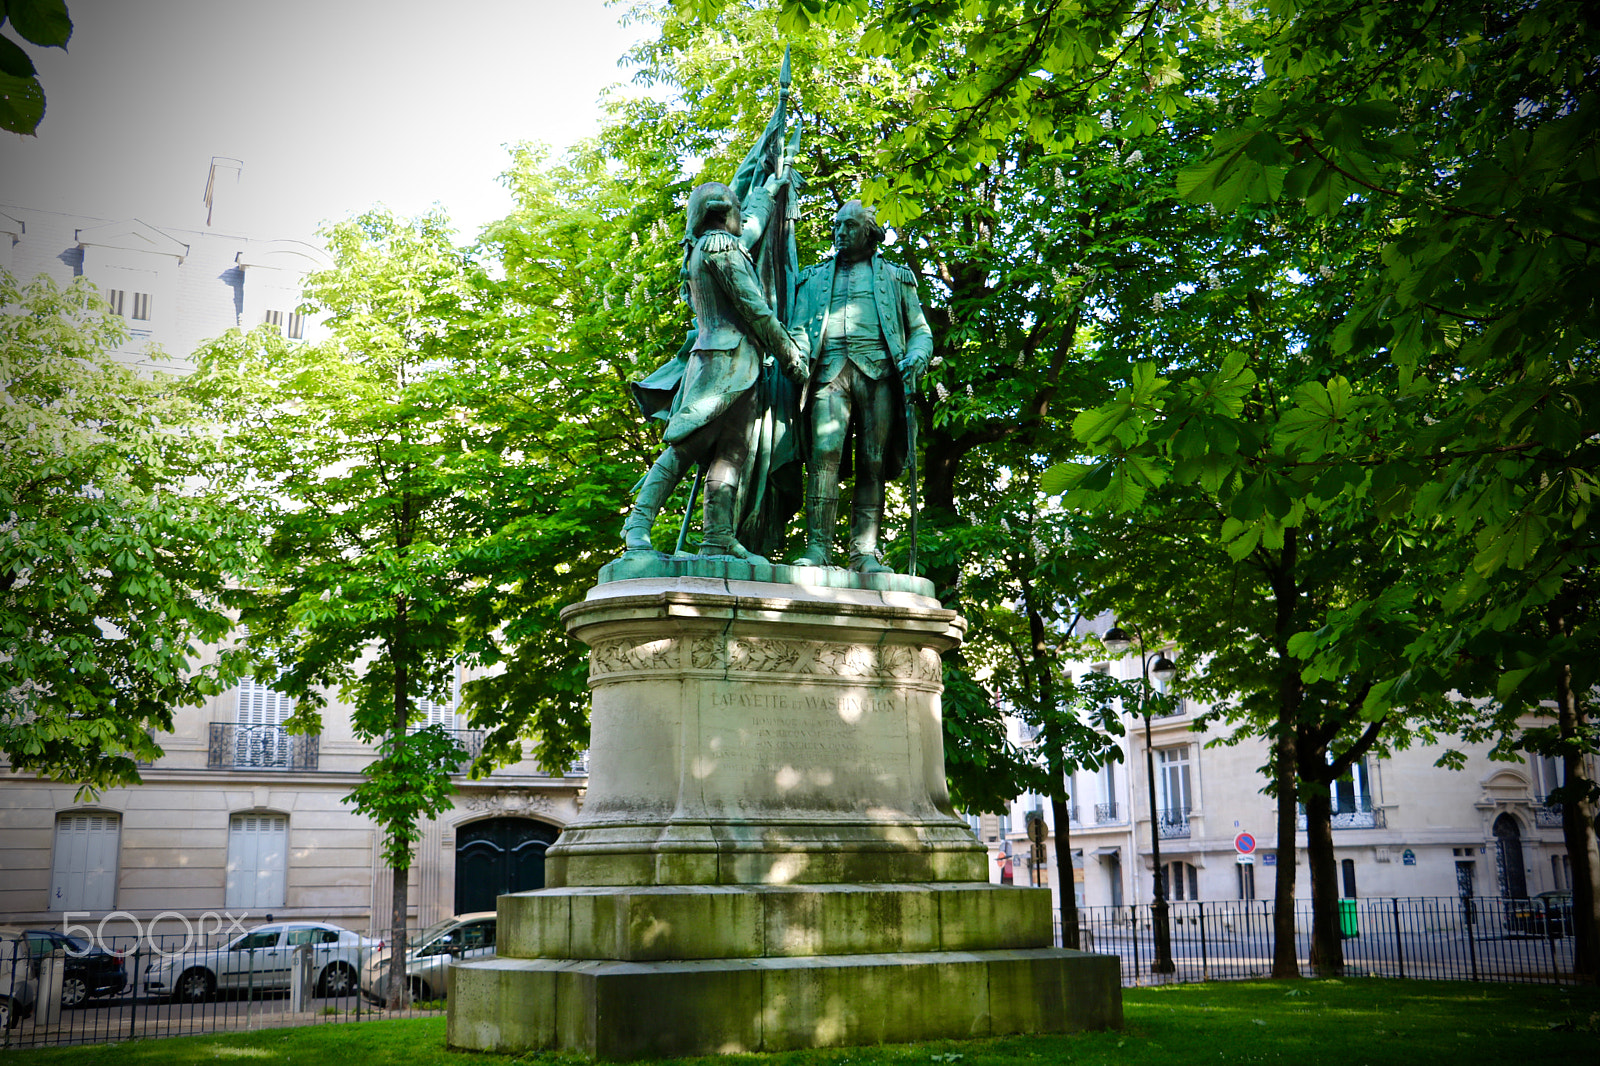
x: 869, y: 342
x: 715, y: 411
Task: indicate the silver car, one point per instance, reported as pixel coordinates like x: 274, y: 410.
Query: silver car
x: 465, y: 936
x: 261, y: 959
x: 18, y: 988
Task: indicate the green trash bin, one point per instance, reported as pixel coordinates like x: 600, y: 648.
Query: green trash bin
x: 1349, y: 925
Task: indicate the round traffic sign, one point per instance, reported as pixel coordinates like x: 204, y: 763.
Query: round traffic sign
x: 1244, y: 843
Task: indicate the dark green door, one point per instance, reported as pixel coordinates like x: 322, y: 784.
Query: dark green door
x: 499, y: 855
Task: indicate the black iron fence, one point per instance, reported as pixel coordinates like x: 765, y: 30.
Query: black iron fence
x: 92, y: 989
x: 100, y: 989
x: 1439, y: 938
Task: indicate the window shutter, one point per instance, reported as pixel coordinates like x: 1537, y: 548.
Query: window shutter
x: 257, y: 861
x: 84, y: 877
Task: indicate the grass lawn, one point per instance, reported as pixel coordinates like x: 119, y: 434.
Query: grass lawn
x: 1350, y: 1022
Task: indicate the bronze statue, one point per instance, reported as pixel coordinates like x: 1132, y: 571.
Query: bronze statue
x: 716, y: 410
x: 869, y: 342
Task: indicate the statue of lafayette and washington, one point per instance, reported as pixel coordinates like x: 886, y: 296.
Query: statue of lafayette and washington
x: 756, y: 391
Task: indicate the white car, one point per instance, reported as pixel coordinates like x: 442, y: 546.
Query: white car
x: 262, y: 959
x: 466, y: 936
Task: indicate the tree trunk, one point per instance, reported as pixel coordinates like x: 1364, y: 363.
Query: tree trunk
x: 1055, y: 762
x: 1064, y: 874
x: 1327, y: 950
x: 1578, y: 828
x: 396, y: 990
x: 398, y: 993
x: 1285, y: 595
x: 1285, y: 962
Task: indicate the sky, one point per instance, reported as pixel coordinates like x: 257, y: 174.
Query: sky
x: 333, y: 106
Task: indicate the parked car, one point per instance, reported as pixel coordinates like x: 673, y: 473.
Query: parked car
x: 18, y: 988
x: 1547, y: 914
x: 90, y: 971
x: 465, y: 936
x: 261, y: 959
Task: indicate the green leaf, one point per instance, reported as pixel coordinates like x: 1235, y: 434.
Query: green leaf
x: 1266, y: 149
x: 21, y: 103
x: 13, y: 60
x: 1062, y: 477
x: 43, y: 22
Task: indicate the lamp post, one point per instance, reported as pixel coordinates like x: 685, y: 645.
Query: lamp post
x: 1117, y: 641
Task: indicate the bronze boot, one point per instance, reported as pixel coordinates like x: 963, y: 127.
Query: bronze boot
x: 864, y: 557
x: 822, y: 514
x: 656, y: 486
x: 719, y: 538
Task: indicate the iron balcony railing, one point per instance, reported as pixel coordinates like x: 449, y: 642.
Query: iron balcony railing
x: 260, y: 747
x: 472, y: 740
x: 1173, y: 822
x: 1105, y: 813
x: 1360, y: 816
x: 1547, y: 815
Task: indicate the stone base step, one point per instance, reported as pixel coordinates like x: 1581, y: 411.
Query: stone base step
x: 729, y: 922
x: 617, y: 1010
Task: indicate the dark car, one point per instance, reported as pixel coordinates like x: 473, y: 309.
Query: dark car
x: 90, y: 971
x: 1547, y: 914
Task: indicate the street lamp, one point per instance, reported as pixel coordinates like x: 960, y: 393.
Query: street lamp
x: 1117, y: 641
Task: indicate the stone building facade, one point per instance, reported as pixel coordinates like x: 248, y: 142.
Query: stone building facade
x: 1402, y: 826
x: 239, y: 816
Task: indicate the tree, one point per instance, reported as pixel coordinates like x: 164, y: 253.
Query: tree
x: 118, y: 551
x: 41, y: 22
x: 587, y: 302
x: 350, y: 444
x: 1460, y: 133
x: 1466, y: 134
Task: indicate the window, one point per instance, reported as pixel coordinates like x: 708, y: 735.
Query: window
x: 259, y: 737
x: 1561, y: 872
x: 273, y: 319
x: 1105, y: 810
x: 1179, y: 876
x: 1546, y: 773
x: 1353, y: 794
x: 1347, y: 870
x: 1174, y: 779
x: 117, y: 298
x: 297, y: 326
x: 141, y: 306
x: 477, y: 935
x: 257, y: 850
x: 437, y: 712
x: 1247, y: 881
x: 1169, y: 704
x: 84, y: 874
x: 312, y: 935
x: 262, y: 938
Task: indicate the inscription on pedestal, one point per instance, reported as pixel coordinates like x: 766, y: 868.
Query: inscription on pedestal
x: 798, y: 741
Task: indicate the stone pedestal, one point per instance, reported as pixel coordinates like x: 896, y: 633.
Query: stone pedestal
x: 767, y: 858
